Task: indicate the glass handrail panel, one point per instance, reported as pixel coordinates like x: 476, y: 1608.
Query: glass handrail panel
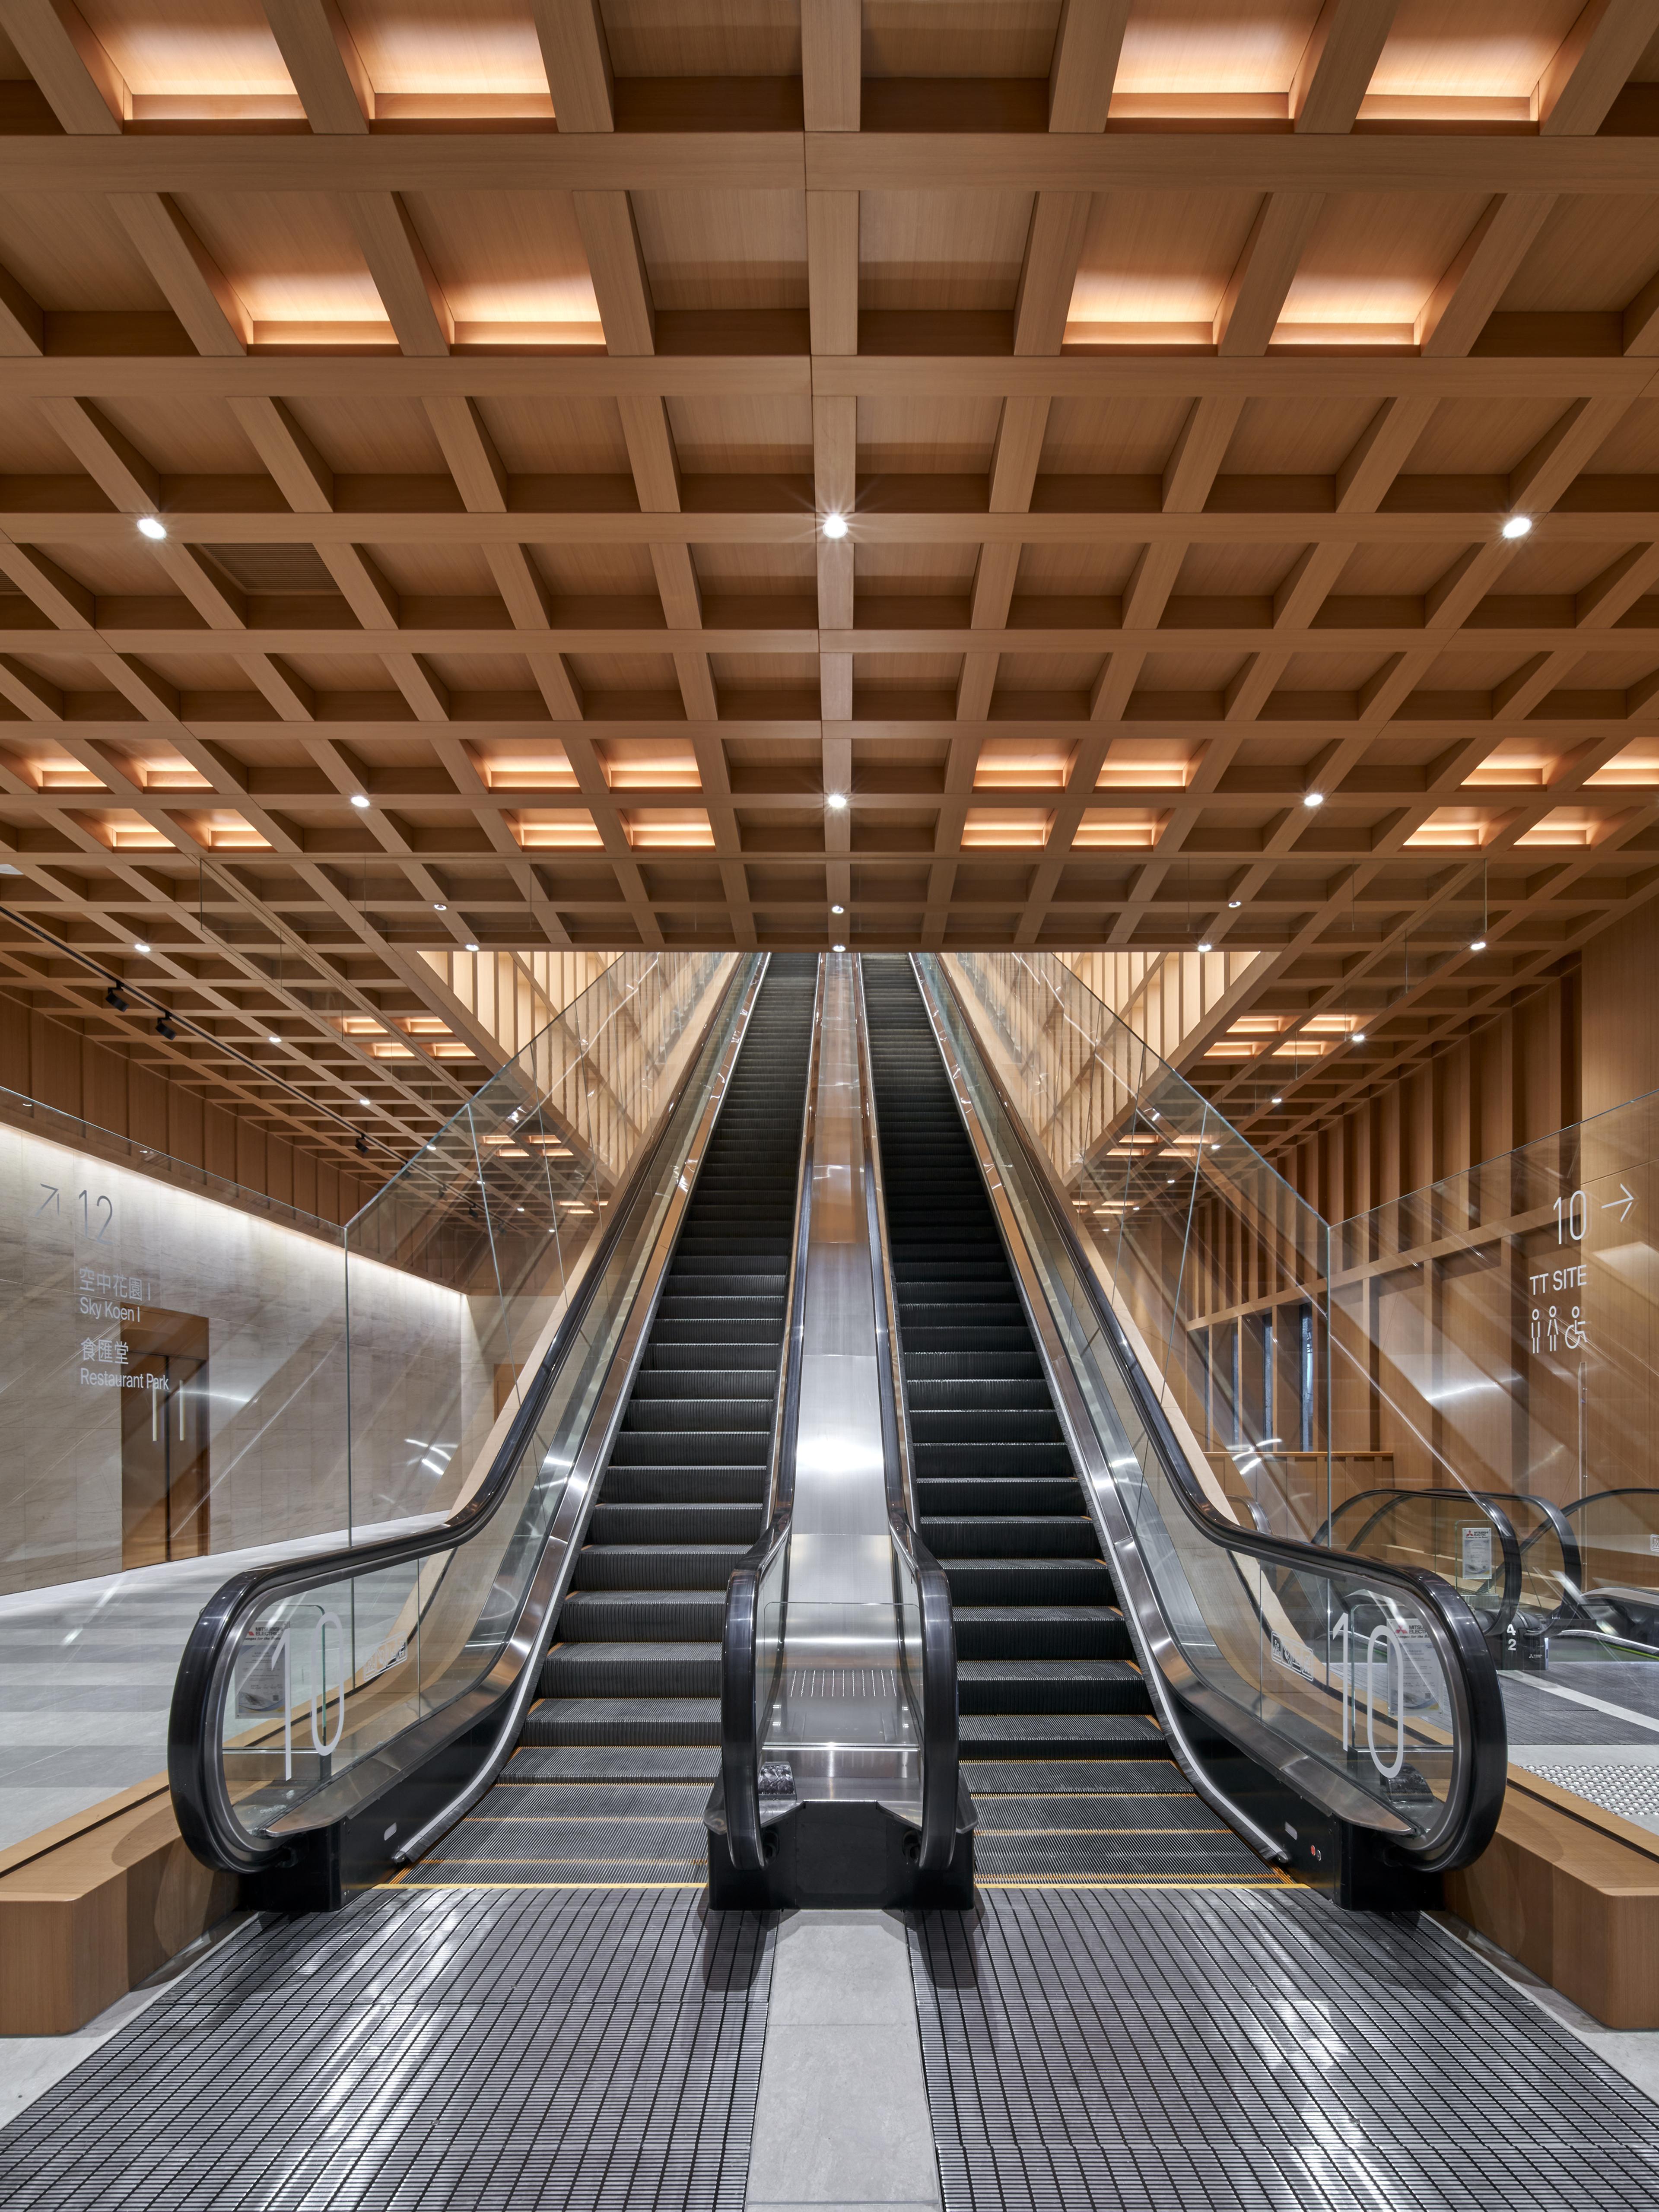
x: 1333, y: 1661
x: 354, y: 1656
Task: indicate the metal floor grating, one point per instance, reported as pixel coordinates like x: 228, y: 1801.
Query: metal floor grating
x: 1253, y: 2049
x: 460, y: 2052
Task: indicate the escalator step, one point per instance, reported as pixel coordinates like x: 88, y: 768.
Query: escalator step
x: 1028, y: 1581
x: 642, y: 1617
x: 622, y: 1721
x: 631, y: 1670
x: 989, y: 1779
x: 1050, y: 1534
x: 666, y: 1485
x: 653, y: 1763
x: 657, y: 1566
x: 974, y: 1495
x: 1041, y: 1631
x: 1059, y: 1736
x: 675, y: 1524
x: 1021, y: 1686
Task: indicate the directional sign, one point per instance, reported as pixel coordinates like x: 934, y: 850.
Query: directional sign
x: 1621, y: 1206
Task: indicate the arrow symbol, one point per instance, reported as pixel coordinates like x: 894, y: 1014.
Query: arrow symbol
x: 1621, y: 1206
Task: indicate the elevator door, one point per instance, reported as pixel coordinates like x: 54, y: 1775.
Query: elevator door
x: 164, y: 1443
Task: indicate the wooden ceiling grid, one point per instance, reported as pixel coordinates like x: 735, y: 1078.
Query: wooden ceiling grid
x: 493, y: 370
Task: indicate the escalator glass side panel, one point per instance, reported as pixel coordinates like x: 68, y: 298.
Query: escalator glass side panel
x: 307, y: 1690
x: 1367, y: 1684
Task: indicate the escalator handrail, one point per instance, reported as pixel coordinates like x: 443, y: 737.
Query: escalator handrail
x: 1384, y: 1501
x: 740, y: 1623
x: 941, y: 1725
x: 1474, y: 1806
x: 201, y: 1684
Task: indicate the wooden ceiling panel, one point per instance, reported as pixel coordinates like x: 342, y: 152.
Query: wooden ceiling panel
x: 959, y: 38
x: 72, y: 256
x: 1591, y: 256
x: 769, y: 435
x: 415, y: 47
x: 1213, y: 46
x: 920, y: 435
x: 939, y: 251
x: 1157, y: 258
x: 1485, y: 49
x: 198, y: 46
x: 1128, y: 594
x: 718, y: 251
x: 727, y: 38
x: 1373, y: 260
x: 507, y: 261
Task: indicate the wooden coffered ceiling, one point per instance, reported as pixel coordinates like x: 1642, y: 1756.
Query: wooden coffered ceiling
x: 493, y: 366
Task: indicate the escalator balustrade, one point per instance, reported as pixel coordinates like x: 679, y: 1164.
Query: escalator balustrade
x: 612, y: 1768
x: 1072, y: 1777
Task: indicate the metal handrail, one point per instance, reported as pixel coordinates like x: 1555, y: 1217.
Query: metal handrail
x: 1475, y: 1798
x: 202, y: 1686
x: 740, y: 1626
x: 940, y: 1729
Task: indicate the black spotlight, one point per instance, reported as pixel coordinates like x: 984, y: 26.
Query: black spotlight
x: 115, y: 997
x: 362, y: 1144
x: 164, y: 1028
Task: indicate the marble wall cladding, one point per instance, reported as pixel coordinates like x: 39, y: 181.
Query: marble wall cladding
x: 90, y: 1253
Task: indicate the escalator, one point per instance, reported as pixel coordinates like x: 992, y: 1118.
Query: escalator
x: 1072, y: 1777
x: 613, y: 1766
x: 528, y: 1692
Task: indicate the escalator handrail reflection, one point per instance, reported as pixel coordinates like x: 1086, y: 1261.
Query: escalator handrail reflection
x: 740, y: 1627
x: 1471, y: 1674
x: 202, y: 1683
x: 940, y: 1731
x: 1388, y: 1501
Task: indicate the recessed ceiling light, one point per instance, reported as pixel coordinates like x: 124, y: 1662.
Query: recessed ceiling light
x: 438, y: 909
x: 1275, y: 1102
x: 149, y: 527
x: 1233, y: 905
x: 835, y: 525
x: 1477, y: 945
x: 1205, y: 946
x: 838, y: 948
x: 139, y: 946
x: 471, y: 947
x: 1358, y: 1038
x: 837, y: 910
x: 835, y: 801
x: 273, y: 1040
x: 1313, y: 799
x: 362, y: 1101
x: 1518, y: 526
x: 357, y: 798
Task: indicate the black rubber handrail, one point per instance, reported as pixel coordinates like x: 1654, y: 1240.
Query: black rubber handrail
x: 1471, y: 1673
x: 205, y: 1821
x: 741, y: 1712
x: 940, y: 1729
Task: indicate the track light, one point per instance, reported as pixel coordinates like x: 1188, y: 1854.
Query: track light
x: 149, y: 527
x: 115, y: 997
x: 361, y: 1145
x: 164, y: 1028
x: 1518, y: 526
x: 835, y: 525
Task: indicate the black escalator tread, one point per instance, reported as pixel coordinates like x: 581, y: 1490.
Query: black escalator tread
x: 1072, y: 1774
x: 585, y: 1763
x: 642, y: 1617
x: 1082, y: 1779
x: 628, y: 1722
x: 607, y: 1786
x: 1060, y: 1735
